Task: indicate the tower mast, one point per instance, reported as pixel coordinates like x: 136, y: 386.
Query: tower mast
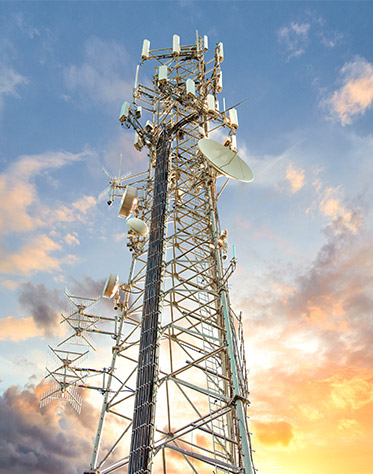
x: 175, y: 396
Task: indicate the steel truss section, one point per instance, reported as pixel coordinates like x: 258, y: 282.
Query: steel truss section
x: 175, y: 396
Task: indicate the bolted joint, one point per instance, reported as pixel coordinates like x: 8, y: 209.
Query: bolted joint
x: 237, y: 397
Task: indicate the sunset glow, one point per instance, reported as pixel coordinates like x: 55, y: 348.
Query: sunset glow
x: 302, y: 229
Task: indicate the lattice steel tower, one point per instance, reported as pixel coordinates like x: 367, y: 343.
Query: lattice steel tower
x: 175, y: 396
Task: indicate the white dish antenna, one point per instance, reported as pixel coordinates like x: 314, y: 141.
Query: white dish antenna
x: 138, y: 226
x: 129, y: 202
x: 111, y: 286
x: 226, y: 161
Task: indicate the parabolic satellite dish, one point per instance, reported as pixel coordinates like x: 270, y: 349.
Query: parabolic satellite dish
x: 129, y: 202
x: 111, y: 286
x: 138, y: 226
x: 226, y: 161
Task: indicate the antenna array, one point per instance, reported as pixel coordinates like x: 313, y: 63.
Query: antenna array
x: 175, y: 395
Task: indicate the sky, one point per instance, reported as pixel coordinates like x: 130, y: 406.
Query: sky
x: 302, y: 230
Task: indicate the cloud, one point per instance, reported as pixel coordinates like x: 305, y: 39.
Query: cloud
x: 297, y: 36
x: 40, y: 440
x: 88, y: 287
x: 133, y: 161
x: 350, y: 426
x: 31, y: 257
x: 10, y: 79
x: 316, y: 314
x: 343, y: 219
x: 20, y: 208
x: 72, y: 239
x: 295, y: 178
x: 120, y: 237
x: 29, y: 166
x: 330, y: 39
x: 294, y: 38
x: 351, y: 389
x: 76, y: 211
x: 10, y: 284
x: 100, y: 76
x: 355, y: 96
x: 15, y: 329
x: 43, y: 305
x: 333, y: 294
x: 274, y: 432
x: 15, y: 199
x: 25, y: 26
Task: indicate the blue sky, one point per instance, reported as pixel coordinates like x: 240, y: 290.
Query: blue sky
x: 302, y: 229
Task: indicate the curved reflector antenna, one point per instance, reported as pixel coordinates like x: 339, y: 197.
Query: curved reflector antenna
x: 225, y: 161
x: 138, y: 226
x: 111, y: 286
x: 129, y: 202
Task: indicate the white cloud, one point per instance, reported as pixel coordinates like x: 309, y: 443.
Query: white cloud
x: 276, y: 171
x: 20, y: 208
x: 76, y: 211
x: 25, y: 26
x: 355, y: 95
x: 100, y: 76
x: 295, y: 178
x: 133, y: 161
x: 23, y: 211
x: 15, y: 199
x: 9, y: 80
x: 33, y: 256
x: 343, y: 218
x: 331, y: 39
x: 15, y: 329
x: 28, y: 166
x: 72, y: 239
x: 120, y: 237
x: 294, y: 38
x: 10, y: 284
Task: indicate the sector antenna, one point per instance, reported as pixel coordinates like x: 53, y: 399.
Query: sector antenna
x: 174, y: 390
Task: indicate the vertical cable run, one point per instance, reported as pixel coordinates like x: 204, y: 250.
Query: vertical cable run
x: 144, y: 410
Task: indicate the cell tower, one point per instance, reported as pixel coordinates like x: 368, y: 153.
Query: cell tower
x: 175, y: 395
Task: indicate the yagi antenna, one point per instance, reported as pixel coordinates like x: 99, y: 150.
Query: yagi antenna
x: 114, y: 184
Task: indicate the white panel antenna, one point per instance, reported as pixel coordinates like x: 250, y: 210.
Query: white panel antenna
x: 176, y: 45
x: 124, y: 111
x: 219, y: 82
x: 233, y: 119
x: 205, y: 43
x: 138, y: 142
x: 190, y: 88
x: 162, y: 74
x: 210, y: 104
x: 138, y: 112
x: 145, y: 49
x: 220, y: 52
